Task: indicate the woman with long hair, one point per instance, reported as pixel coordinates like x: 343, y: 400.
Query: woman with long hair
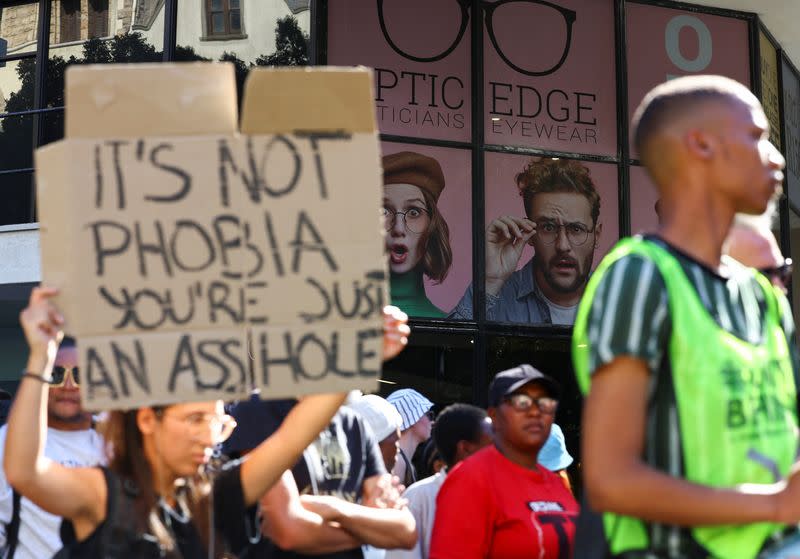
x: 417, y: 235
x: 158, y: 498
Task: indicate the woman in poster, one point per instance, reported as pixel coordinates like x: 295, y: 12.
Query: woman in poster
x: 417, y: 236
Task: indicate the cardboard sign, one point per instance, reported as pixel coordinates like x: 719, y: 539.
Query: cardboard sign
x: 197, y: 261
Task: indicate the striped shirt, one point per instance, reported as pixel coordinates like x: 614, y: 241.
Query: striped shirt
x: 630, y: 316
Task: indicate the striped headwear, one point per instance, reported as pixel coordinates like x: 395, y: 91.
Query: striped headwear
x: 411, y: 404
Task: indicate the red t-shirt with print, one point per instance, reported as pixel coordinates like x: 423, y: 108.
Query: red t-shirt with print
x: 491, y: 508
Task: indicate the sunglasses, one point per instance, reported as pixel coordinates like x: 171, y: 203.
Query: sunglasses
x: 59, y: 376
x: 781, y: 273
x: 523, y: 402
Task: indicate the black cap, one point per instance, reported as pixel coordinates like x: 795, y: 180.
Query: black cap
x: 510, y: 380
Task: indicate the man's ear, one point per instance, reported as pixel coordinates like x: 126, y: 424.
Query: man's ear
x: 146, y: 420
x: 700, y: 144
x: 598, y: 230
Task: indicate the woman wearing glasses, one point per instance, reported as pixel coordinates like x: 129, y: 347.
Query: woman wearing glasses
x: 157, y: 498
x: 417, y: 236
x: 499, y: 503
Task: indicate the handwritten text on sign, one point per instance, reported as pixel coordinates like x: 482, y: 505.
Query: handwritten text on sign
x: 205, y: 260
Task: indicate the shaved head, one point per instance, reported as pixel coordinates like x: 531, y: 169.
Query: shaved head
x: 669, y: 109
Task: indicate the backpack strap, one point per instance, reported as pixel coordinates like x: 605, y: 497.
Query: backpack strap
x: 12, y: 528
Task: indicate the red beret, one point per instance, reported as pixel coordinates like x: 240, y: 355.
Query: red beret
x: 408, y: 167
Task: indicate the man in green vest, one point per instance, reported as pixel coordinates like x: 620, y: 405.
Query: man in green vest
x: 687, y: 357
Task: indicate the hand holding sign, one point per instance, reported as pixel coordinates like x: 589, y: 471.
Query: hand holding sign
x: 42, y: 324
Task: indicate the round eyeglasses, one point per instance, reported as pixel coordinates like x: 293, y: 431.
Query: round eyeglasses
x: 576, y: 233
x: 415, y: 219
x: 540, y: 13
x: 199, y: 424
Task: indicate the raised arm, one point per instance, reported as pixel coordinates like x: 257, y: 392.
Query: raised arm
x: 265, y: 465
x: 74, y: 493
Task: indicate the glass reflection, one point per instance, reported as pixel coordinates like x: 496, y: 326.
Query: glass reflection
x: 18, y: 24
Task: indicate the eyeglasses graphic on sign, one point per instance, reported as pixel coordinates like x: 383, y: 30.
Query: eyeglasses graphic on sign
x: 534, y: 54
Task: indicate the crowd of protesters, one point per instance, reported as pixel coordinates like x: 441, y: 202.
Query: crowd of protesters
x: 689, y: 435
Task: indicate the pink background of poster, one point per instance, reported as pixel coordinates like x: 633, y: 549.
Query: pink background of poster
x: 502, y: 197
x: 421, y: 28
x: 649, y: 63
x: 455, y: 205
x: 643, y: 201
x: 588, y: 68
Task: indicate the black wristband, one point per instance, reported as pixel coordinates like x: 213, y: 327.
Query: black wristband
x: 40, y: 378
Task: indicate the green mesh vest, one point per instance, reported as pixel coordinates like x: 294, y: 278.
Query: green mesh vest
x: 736, y: 402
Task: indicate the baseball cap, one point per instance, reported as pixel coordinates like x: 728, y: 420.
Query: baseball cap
x: 510, y: 380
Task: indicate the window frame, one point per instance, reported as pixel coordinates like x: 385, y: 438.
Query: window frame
x: 228, y: 34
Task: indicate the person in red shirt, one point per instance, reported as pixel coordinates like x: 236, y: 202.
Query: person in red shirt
x: 498, y: 503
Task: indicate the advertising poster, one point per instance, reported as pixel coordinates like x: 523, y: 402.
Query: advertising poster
x: 549, y: 79
x: 665, y: 43
x: 539, y: 277
x: 420, y: 51
x: 427, y: 208
x: 791, y: 109
x: 644, y: 216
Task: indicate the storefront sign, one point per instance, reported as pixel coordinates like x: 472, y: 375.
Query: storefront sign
x: 549, y: 78
x: 770, y: 96
x: 791, y: 112
x: 664, y: 43
x: 196, y: 262
x: 420, y: 51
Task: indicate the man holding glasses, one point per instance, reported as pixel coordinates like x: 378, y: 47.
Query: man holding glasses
x: 562, y: 209
x: 27, y: 531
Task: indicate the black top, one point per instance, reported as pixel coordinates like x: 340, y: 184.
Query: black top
x: 228, y: 509
x: 336, y: 463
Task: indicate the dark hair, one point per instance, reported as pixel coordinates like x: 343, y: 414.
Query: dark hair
x: 438, y: 254
x: 125, y: 450
x: 457, y: 422
x: 677, y: 97
x: 545, y: 174
x: 66, y: 342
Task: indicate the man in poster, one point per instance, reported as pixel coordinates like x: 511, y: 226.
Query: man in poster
x: 562, y: 208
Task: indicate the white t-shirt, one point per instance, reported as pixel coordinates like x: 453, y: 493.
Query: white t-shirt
x: 38, y: 529
x: 560, y: 314
x: 422, y: 504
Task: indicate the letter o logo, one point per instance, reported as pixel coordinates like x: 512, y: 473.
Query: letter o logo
x: 672, y: 43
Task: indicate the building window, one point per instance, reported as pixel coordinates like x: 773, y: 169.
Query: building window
x: 70, y: 20
x: 98, y: 18
x: 223, y: 18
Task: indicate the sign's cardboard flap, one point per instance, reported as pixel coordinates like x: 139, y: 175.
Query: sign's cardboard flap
x: 284, y: 100
x: 138, y: 100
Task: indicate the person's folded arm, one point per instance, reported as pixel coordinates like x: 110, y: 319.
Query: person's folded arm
x: 385, y: 528
x: 294, y: 528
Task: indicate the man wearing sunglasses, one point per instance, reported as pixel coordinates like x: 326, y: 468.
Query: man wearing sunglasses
x: 751, y: 242
x: 26, y: 531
